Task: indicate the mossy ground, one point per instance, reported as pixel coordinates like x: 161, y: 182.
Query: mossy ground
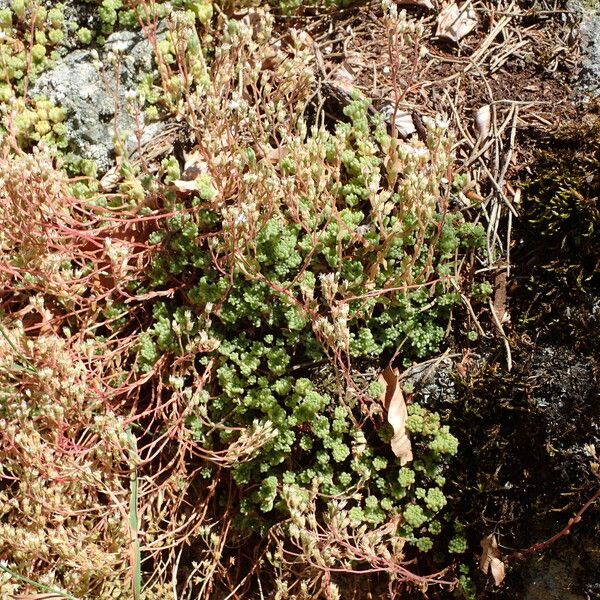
x: 525, y: 434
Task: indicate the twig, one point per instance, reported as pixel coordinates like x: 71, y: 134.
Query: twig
x: 563, y: 532
x: 503, y: 335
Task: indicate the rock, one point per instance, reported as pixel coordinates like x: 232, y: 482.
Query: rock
x: 432, y: 381
x: 589, y: 78
x: 86, y: 86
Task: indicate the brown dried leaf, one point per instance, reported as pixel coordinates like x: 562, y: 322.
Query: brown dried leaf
x: 498, y: 571
x: 454, y: 22
x: 110, y: 179
x: 404, y: 122
x: 397, y: 414
x: 490, y: 561
x: 195, y: 164
x: 274, y: 155
x: 185, y: 185
x: 355, y: 61
x: 343, y: 79
x: 501, y: 296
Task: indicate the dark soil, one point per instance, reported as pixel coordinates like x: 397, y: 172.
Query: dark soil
x: 524, y: 467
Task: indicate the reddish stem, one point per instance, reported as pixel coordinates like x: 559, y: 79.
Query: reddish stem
x: 563, y: 532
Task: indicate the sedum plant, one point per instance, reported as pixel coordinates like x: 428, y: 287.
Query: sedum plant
x: 298, y: 254
x: 213, y: 334
x: 288, y: 272
x: 290, y: 7
x: 61, y: 457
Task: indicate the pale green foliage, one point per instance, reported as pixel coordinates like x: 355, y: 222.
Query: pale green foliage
x: 25, y: 50
x: 292, y: 7
x: 84, y: 35
x: 458, y: 544
x: 414, y: 515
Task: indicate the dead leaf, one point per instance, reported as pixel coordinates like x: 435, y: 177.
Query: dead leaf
x: 404, y: 122
x: 397, y: 414
x: 490, y: 561
x: 272, y: 155
x: 500, y: 296
x: 343, y: 78
x: 110, y: 179
x: 184, y: 185
x: 483, y: 119
x: 339, y: 85
x: 356, y: 61
x: 194, y: 166
x: 424, y: 3
x: 454, y: 22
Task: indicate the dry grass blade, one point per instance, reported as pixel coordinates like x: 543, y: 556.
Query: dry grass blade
x: 136, y: 562
x: 36, y: 596
x: 485, y: 49
x: 47, y: 594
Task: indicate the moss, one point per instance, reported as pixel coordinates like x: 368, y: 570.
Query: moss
x: 562, y: 201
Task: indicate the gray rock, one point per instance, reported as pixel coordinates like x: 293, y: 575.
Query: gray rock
x: 588, y: 12
x: 95, y: 93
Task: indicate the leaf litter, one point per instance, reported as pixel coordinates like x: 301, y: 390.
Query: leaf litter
x: 490, y: 560
x: 397, y: 413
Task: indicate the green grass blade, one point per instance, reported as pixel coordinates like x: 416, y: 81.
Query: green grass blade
x: 35, y: 584
x: 133, y: 518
